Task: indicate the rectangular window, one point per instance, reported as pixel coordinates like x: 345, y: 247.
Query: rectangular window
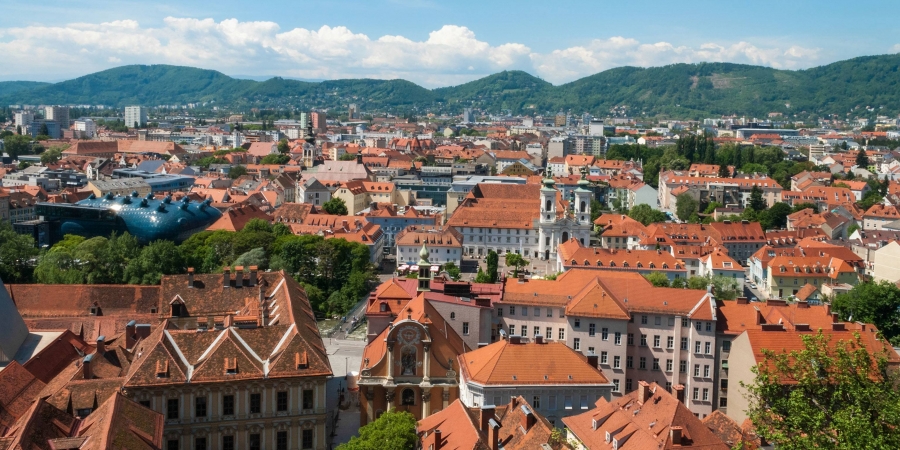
x: 723, y: 402
x: 584, y: 402
x: 255, y: 441
x: 228, y: 405
x: 616, y: 385
x: 537, y: 331
x: 227, y: 442
x: 706, y: 371
x: 537, y: 312
x: 306, y: 439
x: 172, y: 408
x: 524, y: 330
x: 628, y: 384
x: 696, y: 370
x: 708, y: 326
x: 549, y: 333
x: 668, y: 365
x: 657, y: 320
x: 200, y: 443
x: 281, y: 442
x: 656, y: 341
x: 255, y: 403
x: 562, y: 334
x: 668, y: 386
x: 592, y: 330
x: 642, y: 363
x: 685, y: 322
x: 726, y: 346
x: 524, y: 310
x: 536, y: 402
x: 512, y: 310
x: 671, y: 321
x: 618, y: 338
x: 281, y: 401
x: 465, y: 328
x: 200, y: 407
x: 551, y: 402
x: 684, y: 343
x: 630, y: 338
x: 670, y: 342
x: 617, y: 360
x: 499, y: 312
x: 172, y: 444
x: 568, y: 402
x: 590, y: 349
x: 604, y: 334
x: 577, y: 344
x: 707, y: 347
x: 655, y: 363
x: 604, y: 358
x: 696, y: 393
x: 697, y: 347
x: 643, y: 340
x: 698, y: 326
x: 644, y: 320
x: 724, y: 364
x: 682, y: 366
x: 723, y: 384
x: 577, y: 323
x: 705, y: 394
x: 629, y: 362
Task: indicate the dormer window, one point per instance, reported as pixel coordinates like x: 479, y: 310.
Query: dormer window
x: 162, y: 369
x: 301, y: 360
x: 230, y: 366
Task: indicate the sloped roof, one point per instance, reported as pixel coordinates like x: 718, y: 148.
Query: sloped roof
x: 548, y: 363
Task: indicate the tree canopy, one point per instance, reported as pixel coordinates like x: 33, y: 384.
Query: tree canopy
x: 395, y: 430
x: 646, y: 215
x: 876, y: 303
x: 335, y: 206
x: 686, y: 206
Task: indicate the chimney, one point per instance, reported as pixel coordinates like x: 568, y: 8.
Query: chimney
x: 487, y: 413
x: 253, y: 271
x: 742, y: 301
x: 88, y: 373
x: 528, y: 419
x: 101, y: 345
x: 802, y: 304
x: 838, y: 326
x: 538, y: 339
x: 675, y: 435
x: 226, y: 277
x: 759, y: 317
x: 494, y: 434
x: 515, y: 339
x: 229, y: 321
x: 593, y: 360
x: 130, y: 336
x: 238, y: 276
x: 437, y: 439
x: 801, y: 327
x: 643, y: 392
x: 190, y: 277
x: 679, y: 392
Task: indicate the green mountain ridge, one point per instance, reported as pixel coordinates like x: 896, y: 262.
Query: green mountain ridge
x: 677, y: 90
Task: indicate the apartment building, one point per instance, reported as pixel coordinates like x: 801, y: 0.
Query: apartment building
x: 444, y: 245
x: 135, y: 116
x: 572, y: 255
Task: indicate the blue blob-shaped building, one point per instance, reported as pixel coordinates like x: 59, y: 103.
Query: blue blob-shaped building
x: 146, y: 218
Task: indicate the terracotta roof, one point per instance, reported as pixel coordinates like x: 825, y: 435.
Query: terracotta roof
x: 738, y: 316
x: 882, y: 212
x: 732, y: 434
x: 236, y: 218
x: 573, y: 255
x: 121, y: 423
x: 642, y: 423
x: 18, y: 389
x: 547, y: 363
x: 806, y: 291
x: 293, y: 212
x: 431, y: 236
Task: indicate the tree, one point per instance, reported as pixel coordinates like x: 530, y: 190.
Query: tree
x: 686, y: 206
x: 862, y: 160
x: 596, y: 209
x: 876, y: 303
x: 516, y: 260
x: 658, y: 279
x: 723, y: 171
x: 283, y: 147
x: 828, y: 395
x: 738, y: 160
x: 51, y: 156
x: 756, y: 199
x: 394, y: 430
x: 802, y: 206
x: 493, y: 262
x: 347, y: 157
x: 17, y: 145
x: 275, y: 158
x: 646, y: 215
x: 774, y: 217
x: 255, y: 257
x: 482, y: 277
x: 452, y: 270
x: 16, y: 254
x: 43, y: 130
x: 156, y: 259
x: 335, y: 206
x: 237, y: 171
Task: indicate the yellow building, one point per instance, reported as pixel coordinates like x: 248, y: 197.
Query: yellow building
x: 788, y: 274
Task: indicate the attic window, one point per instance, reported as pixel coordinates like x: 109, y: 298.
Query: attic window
x: 230, y: 366
x: 665, y: 266
x: 162, y: 369
x: 302, y: 360
x: 95, y: 310
x: 652, y: 265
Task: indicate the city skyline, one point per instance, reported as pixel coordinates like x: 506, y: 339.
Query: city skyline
x: 430, y: 43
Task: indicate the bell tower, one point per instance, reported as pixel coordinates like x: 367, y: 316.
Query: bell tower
x: 548, y: 199
x: 583, y: 199
x: 425, y: 273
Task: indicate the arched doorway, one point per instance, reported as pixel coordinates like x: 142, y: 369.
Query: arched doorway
x: 565, y: 237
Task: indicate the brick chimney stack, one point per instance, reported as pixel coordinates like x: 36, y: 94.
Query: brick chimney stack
x: 226, y: 277
x: 643, y: 392
x: 190, y: 277
x: 493, y: 434
x: 239, y: 276
x: 437, y: 439
x: 101, y: 345
x: 130, y: 336
x: 487, y: 413
x: 87, y: 370
x: 528, y: 418
x: 679, y: 392
x: 253, y: 271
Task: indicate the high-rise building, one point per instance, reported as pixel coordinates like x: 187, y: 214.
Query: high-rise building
x: 135, y: 116
x: 317, y: 120
x: 86, y: 126
x: 352, y: 112
x: 595, y: 128
x: 59, y: 114
x: 468, y: 117
x: 23, y: 119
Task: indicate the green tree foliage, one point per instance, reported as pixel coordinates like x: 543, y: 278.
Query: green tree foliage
x: 658, y: 279
x: 862, y: 160
x: 16, y: 254
x: 516, y: 261
x: 452, y: 270
x: 52, y: 155
x: 347, y: 157
x: 156, y: 259
x: 870, y: 198
x: 395, y: 430
x: 724, y: 288
x: 16, y: 145
x: 283, y: 147
x: 482, y: 277
x: 254, y: 257
x: 711, y: 207
x: 774, y: 217
x: 876, y: 303
x: 802, y: 206
x: 686, y: 206
x: 839, y: 396
x: 596, y: 209
x: 275, y: 158
x: 335, y: 206
x: 646, y: 215
x: 493, y: 262
x: 43, y: 130
x: 756, y: 199
x: 204, y: 163
x: 237, y: 171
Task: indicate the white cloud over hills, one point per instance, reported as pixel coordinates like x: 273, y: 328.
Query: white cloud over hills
x: 450, y: 55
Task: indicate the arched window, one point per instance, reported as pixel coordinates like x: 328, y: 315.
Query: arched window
x: 452, y: 316
x: 583, y: 209
x: 652, y: 265
x: 549, y: 204
x: 383, y: 307
x: 587, y: 263
x: 625, y: 264
x: 408, y: 360
x: 599, y: 263
x: 640, y: 265
x: 408, y: 398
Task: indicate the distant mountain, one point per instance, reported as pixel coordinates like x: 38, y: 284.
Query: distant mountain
x: 679, y: 90
x: 10, y: 87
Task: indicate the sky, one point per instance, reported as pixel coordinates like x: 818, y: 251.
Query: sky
x: 433, y: 43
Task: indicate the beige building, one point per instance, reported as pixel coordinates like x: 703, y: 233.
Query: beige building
x: 119, y: 186
x: 444, y: 244
x: 887, y: 263
x: 359, y: 195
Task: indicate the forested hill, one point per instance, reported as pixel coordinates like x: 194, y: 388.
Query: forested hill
x: 678, y: 90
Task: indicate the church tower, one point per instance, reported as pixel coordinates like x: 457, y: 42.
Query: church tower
x: 548, y: 199
x: 425, y: 272
x: 583, y: 199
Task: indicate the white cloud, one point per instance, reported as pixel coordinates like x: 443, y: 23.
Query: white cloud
x: 450, y: 55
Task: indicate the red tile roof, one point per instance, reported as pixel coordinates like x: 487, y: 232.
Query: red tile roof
x: 548, y: 363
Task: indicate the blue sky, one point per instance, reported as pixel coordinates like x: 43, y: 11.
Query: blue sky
x: 433, y: 43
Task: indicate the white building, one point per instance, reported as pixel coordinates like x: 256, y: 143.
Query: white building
x: 444, y: 244
x: 135, y: 116
x: 23, y: 119
x: 58, y: 114
x: 86, y: 126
